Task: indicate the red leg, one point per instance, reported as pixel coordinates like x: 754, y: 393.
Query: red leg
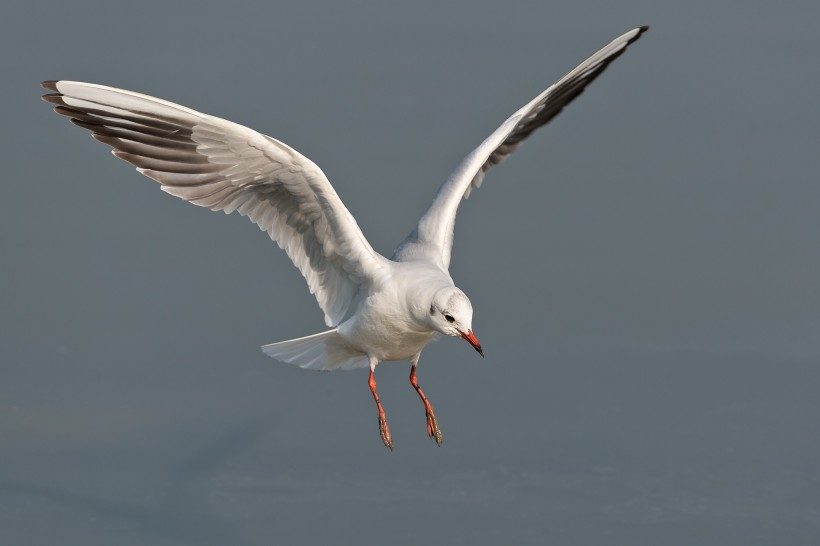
x: 432, y: 424
x: 384, y: 430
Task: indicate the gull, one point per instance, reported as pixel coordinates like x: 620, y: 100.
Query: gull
x: 379, y: 309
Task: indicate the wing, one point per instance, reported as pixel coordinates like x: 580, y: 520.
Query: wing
x: 433, y: 238
x: 224, y: 166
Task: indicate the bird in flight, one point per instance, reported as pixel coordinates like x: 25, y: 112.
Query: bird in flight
x: 379, y: 309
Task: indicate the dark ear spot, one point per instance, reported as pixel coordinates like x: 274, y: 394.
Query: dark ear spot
x: 432, y: 311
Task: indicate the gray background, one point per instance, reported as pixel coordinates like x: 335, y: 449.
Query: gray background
x: 644, y: 272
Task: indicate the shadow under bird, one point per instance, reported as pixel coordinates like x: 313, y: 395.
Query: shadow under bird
x: 379, y: 309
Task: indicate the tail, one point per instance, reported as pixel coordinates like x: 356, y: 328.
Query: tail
x: 324, y: 351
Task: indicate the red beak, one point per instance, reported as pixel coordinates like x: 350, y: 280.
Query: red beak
x: 472, y: 340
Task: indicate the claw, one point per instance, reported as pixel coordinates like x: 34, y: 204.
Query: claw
x: 384, y: 431
x: 432, y: 428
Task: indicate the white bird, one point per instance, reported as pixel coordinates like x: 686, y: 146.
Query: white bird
x: 379, y: 309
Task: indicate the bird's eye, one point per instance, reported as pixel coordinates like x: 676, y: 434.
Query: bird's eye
x: 449, y: 318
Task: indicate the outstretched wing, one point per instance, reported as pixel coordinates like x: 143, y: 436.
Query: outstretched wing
x: 433, y: 238
x: 224, y: 166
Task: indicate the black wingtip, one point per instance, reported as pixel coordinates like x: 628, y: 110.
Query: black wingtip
x: 51, y: 85
x: 53, y: 98
x: 640, y: 32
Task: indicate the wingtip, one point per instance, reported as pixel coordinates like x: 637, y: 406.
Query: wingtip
x: 51, y: 85
x: 53, y: 98
x: 639, y: 33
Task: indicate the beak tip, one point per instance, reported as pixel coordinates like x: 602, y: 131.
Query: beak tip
x: 471, y: 339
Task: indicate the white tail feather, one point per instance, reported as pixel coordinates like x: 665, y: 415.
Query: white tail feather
x: 323, y: 351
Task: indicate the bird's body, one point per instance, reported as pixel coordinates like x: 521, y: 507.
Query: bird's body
x: 379, y: 309
x: 389, y: 323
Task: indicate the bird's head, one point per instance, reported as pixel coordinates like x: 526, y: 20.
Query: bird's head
x: 451, y: 313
